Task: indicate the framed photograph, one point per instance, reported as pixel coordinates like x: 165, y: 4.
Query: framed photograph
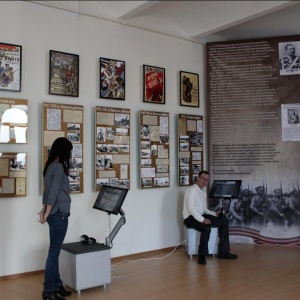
x: 189, y: 89
x: 10, y: 67
x: 112, y: 79
x: 64, y: 74
x: 154, y: 84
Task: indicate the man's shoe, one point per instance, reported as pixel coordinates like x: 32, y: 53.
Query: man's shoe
x: 62, y: 291
x: 201, y: 260
x: 51, y: 296
x: 227, y: 255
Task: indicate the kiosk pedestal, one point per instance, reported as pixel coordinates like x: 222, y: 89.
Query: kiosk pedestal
x: 84, y: 266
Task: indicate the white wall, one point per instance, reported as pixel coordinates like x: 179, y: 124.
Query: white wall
x: 153, y: 216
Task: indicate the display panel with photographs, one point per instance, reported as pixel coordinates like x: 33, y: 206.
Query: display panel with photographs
x: 13, y: 174
x: 112, y: 147
x: 10, y: 67
x: 154, y: 149
x: 64, y: 74
x: 65, y: 120
x: 13, y: 120
x: 190, y: 148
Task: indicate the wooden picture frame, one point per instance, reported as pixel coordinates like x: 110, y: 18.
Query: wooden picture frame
x: 63, y: 74
x: 189, y: 89
x: 10, y: 67
x: 112, y: 79
x: 154, y: 84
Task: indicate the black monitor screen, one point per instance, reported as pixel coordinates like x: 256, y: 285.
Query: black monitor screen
x: 110, y: 199
x: 225, y: 189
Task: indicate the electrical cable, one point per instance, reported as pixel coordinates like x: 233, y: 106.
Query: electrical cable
x: 152, y: 258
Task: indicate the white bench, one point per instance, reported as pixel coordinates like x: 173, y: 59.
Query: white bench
x: 192, y: 240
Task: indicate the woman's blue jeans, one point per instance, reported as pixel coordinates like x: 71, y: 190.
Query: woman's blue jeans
x: 58, y: 225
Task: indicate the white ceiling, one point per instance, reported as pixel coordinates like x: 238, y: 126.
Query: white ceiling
x: 200, y: 21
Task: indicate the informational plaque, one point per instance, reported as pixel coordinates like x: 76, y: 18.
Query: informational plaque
x: 13, y: 174
x: 13, y: 121
x: 112, y: 147
x: 190, y: 148
x: 154, y: 149
x: 65, y: 120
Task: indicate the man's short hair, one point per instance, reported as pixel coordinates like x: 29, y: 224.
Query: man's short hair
x: 287, y: 45
x: 203, y: 172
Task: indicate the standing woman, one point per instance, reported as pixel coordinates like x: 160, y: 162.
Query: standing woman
x: 56, y: 210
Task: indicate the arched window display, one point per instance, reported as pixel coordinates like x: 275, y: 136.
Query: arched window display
x: 13, y: 121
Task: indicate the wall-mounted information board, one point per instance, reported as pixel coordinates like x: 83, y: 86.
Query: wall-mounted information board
x: 154, y: 149
x: 65, y: 120
x: 13, y: 174
x: 190, y: 148
x: 112, y: 143
x: 13, y: 121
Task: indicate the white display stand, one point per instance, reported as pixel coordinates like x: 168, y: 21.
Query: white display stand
x: 192, y: 240
x: 85, y: 266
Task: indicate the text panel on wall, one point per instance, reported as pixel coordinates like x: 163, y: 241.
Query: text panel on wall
x: 254, y: 133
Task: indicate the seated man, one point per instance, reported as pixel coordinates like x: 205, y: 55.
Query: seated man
x: 196, y: 215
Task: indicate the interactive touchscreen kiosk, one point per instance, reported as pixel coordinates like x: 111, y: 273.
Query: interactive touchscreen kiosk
x: 110, y: 200
x: 224, y: 189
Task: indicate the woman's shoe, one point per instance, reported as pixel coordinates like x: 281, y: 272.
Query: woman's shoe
x: 51, y: 296
x: 62, y: 291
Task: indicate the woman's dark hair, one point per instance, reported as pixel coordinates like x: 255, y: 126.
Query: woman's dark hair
x: 60, y: 148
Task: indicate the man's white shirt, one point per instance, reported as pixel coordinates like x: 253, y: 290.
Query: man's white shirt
x: 195, y: 204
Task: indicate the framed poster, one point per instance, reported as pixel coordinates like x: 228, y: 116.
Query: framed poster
x: 190, y: 148
x: 64, y: 74
x: 112, y: 79
x: 13, y: 174
x: 65, y: 120
x: 112, y: 147
x: 189, y: 89
x: 154, y: 84
x: 13, y: 121
x: 154, y: 150
x: 10, y: 67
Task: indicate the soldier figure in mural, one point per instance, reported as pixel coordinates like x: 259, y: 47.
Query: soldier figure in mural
x: 259, y: 207
x: 245, y: 206
x: 293, y: 209
x: 277, y: 208
x: 226, y: 209
x: 236, y: 211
